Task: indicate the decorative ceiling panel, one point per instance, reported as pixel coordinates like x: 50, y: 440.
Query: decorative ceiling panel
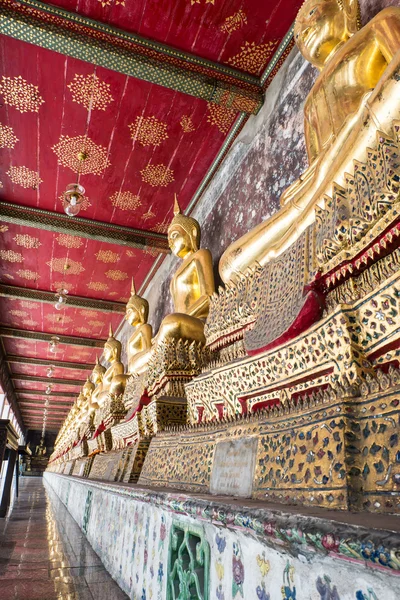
x: 41, y: 371
x: 34, y: 349
x: 40, y: 387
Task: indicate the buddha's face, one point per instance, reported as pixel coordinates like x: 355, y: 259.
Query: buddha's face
x: 179, y: 241
x: 109, y: 352
x: 320, y: 26
x: 134, y: 315
x: 87, y: 389
x: 96, y: 376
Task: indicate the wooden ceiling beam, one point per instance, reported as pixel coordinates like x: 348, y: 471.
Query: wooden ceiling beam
x: 19, y: 392
x: 40, y: 336
x: 47, y: 380
x: 23, y: 293
x: 12, y: 358
x: 28, y: 403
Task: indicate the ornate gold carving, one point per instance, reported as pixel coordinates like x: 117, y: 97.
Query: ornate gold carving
x: 116, y: 275
x: 7, y: 137
x: 157, y: 175
x: 148, y: 215
x: 187, y: 124
x: 220, y: 116
x: 253, y: 58
x: 3, y: 228
x: 69, y: 241
x: 11, y: 256
x: 27, y: 241
x: 234, y: 22
x: 97, y: 286
x: 148, y: 131
x: 125, y: 200
x: 81, y: 155
x: 20, y: 94
x: 107, y: 256
x: 24, y: 177
x: 91, y: 92
x: 66, y: 266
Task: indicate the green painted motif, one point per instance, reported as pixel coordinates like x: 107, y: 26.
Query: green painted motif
x: 188, y: 563
x: 86, y: 513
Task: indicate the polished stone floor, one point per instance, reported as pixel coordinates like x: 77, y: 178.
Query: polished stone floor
x: 44, y: 555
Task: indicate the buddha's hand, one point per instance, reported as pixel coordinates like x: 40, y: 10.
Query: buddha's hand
x: 301, y: 185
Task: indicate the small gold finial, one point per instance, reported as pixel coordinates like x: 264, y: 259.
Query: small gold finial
x: 97, y: 360
x: 111, y: 333
x: 177, y: 209
x: 133, y: 289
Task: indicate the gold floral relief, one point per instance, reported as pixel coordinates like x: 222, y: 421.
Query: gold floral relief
x: 252, y: 58
x: 90, y: 92
x: 125, y: 200
x: 187, y: 124
x: 220, y: 116
x: 234, y: 22
x: 116, y: 275
x: 24, y: 177
x: 3, y: 228
x: 11, y: 256
x: 20, y: 94
x: 19, y: 313
x: 148, y: 215
x: 96, y: 323
x: 27, y: 241
x: 81, y: 155
x: 97, y: 286
x: 7, y: 137
x: 85, y: 202
x: 27, y: 274
x: 69, y: 241
x: 107, y: 256
x: 66, y: 265
x: 148, y: 131
x: 157, y: 175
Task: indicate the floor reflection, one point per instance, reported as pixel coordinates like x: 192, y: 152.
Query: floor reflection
x: 45, y: 556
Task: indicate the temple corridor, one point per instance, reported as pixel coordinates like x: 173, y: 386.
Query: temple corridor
x: 44, y: 555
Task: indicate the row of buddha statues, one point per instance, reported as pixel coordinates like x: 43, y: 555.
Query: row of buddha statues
x: 354, y: 96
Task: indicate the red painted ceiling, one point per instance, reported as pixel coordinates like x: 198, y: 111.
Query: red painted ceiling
x: 142, y: 143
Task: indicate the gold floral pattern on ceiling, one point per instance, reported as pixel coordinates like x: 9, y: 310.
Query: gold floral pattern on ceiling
x: 234, y: 22
x: 85, y: 202
x: 27, y: 274
x: 83, y: 330
x: 252, y: 58
x: 66, y: 266
x: 90, y: 91
x: 62, y: 285
x: 111, y: 2
x: 24, y: 177
x: 187, y: 124
x: 69, y: 241
x: 116, y: 275
x: 88, y: 313
x: 96, y: 323
x: 7, y: 137
x: 220, y: 116
x: 107, y: 256
x: 125, y: 200
x: 18, y: 313
x: 81, y: 155
x: 161, y: 227
x: 20, y: 94
x: 11, y: 256
x: 148, y: 131
x: 199, y: 2
x: 148, y: 215
x: 30, y: 323
x: 97, y: 286
x: 27, y: 304
x: 151, y: 251
x: 157, y: 175
x: 57, y: 318
x: 27, y: 241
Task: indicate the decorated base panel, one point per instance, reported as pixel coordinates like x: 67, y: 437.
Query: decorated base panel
x: 144, y: 538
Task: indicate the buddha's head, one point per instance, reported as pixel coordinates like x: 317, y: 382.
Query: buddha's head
x: 87, y: 388
x: 137, y: 309
x: 97, y: 373
x: 323, y: 24
x: 183, y: 233
x: 112, y: 348
x: 80, y: 401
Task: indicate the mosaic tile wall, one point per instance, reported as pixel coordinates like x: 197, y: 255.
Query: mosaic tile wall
x: 249, y: 558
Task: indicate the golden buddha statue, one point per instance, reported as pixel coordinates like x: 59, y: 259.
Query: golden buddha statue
x: 192, y: 284
x: 356, y: 94
x: 86, y: 408
x: 41, y: 448
x: 114, y: 379
x: 139, y: 344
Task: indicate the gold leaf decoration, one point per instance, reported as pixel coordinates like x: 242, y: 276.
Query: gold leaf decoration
x: 110, y: 2
x: 148, y: 131
x: 24, y: 177
x: 161, y: 227
x: 125, y: 200
x: 11, y: 256
x: 148, y: 215
x: 113, y: 294
x: 97, y: 286
x: 187, y: 124
x: 59, y: 318
x: 88, y: 313
x: 91, y: 92
x: 83, y: 330
x: 107, y: 256
x: 3, y: 228
x: 199, y: 2
x: 220, y: 116
x: 62, y: 285
x: 66, y: 265
x: 81, y: 155
x: 85, y: 202
x: 20, y: 94
x: 116, y: 275
x: 253, y: 58
x: 7, y: 137
x: 27, y: 241
x: 19, y: 313
x: 69, y: 241
x: 151, y: 251
x: 30, y: 323
x: 96, y: 323
x: 234, y: 22
x: 27, y: 304
x: 157, y: 175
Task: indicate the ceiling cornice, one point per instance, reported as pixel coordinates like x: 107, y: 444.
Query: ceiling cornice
x: 85, y: 228
x: 23, y: 293
x: 11, y: 358
x: 73, y: 35
x: 47, y: 380
x: 40, y: 336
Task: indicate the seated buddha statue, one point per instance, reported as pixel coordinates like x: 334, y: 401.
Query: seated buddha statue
x: 97, y: 379
x: 192, y: 284
x: 139, y: 344
x: 114, y: 379
x: 86, y: 409
x: 355, y: 95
